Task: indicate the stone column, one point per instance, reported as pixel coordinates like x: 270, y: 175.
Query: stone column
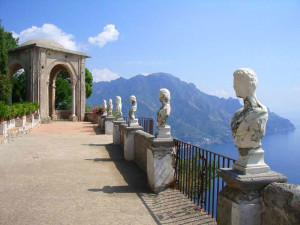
x: 116, y: 131
x: 108, y: 123
x: 73, y: 117
x: 160, y: 162
x: 53, y: 113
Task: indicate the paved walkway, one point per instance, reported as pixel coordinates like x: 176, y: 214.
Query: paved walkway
x: 69, y: 173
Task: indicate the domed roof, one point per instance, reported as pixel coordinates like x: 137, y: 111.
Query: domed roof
x: 43, y: 42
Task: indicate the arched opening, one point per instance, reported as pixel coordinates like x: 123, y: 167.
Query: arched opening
x: 60, y: 92
x: 18, y: 78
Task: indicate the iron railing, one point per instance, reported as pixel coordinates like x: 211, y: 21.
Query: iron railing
x: 146, y: 123
x: 196, y: 177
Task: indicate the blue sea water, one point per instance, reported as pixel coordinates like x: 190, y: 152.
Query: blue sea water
x: 282, y: 153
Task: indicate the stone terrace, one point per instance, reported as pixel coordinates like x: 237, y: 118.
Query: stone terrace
x: 69, y: 173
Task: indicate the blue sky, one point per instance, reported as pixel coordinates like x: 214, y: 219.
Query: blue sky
x: 202, y: 42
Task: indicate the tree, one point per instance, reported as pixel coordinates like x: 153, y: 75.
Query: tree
x: 88, y: 83
x: 63, y: 94
x: 7, y: 41
x: 18, y: 87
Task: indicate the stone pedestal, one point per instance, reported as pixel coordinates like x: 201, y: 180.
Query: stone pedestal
x: 3, y: 128
x: 160, y: 171
x: 134, y: 123
x: 163, y: 132
x: 54, y: 117
x: 103, y: 122
x: 99, y: 121
x: 20, y: 122
x: 108, y: 123
x: 239, y: 202
x: 30, y: 119
x: 251, y: 161
x: 116, y: 131
x: 73, y: 118
x: 129, y: 142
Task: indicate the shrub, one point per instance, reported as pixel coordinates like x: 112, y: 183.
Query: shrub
x: 4, y: 111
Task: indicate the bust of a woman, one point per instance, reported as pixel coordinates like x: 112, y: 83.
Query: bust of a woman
x: 110, y: 107
x: 105, y: 107
x: 119, y: 107
x: 248, y: 124
x: 165, y: 110
x: 133, y: 108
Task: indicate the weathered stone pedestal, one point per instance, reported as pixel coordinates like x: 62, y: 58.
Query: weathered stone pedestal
x: 134, y: 122
x: 109, y: 125
x: 160, y: 171
x: 54, y: 117
x: 30, y: 119
x: 3, y: 128
x: 163, y: 132
x: 99, y: 121
x: 73, y: 118
x: 239, y: 202
x: 20, y: 122
x: 103, y: 122
x: 116, y: 131
x: 251, y: 161
x: 129, y: 141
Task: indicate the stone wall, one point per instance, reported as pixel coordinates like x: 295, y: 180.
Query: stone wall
x: 281, y: 204
x: 142, y: 141
x: 63, y: 114
x: 91, y: 117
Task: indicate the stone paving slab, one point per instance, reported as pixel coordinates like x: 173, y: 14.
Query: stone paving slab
x: 69, y: 173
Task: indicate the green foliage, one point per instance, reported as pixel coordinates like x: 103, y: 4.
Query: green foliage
x: 5, y: 88
x: 88, y: 108
x: 17, y: 109
x: 19, y: 87
x: 88, y: 83
x: 7, y: 41
x: 63, y: 94
x: 4, y: 110
x: 201, y: 171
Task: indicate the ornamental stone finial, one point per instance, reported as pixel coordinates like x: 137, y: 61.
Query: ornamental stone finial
x: 248, y: 124
x: 110, y: 107
x: 105, y: 107
x: 163, y: 130
x: 132, y: 120
x: 118, y: 108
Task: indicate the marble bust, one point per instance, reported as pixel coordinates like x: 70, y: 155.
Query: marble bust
x: 165, y: 110
x: 110, y: 107
x: 163, y: 130
x: 132, y: 120
x: 105, y: 107
x: 248, y: 124
x: 118, y: 108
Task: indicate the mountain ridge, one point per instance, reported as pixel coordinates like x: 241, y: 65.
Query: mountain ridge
x: 195, y: 116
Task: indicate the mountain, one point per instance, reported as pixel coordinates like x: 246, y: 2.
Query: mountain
x: 195, y: 117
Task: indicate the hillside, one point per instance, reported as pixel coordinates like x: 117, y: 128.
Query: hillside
x: 195, y: 117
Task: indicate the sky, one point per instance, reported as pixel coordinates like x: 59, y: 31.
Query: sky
x: 202, y: 42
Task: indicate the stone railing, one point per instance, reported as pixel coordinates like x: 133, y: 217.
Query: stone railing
x: 63, y: 114
x: 142, y: 141
x: 254, y: 194
x: 18, y: 126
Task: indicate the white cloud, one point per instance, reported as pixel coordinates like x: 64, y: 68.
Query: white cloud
x: 145, y: 74
x: 222, y: 94
x: 48, y: 31
x: 104, y: 75
x: 108, y: 34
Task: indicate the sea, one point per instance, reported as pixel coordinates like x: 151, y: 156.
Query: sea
x: 282, y: 153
